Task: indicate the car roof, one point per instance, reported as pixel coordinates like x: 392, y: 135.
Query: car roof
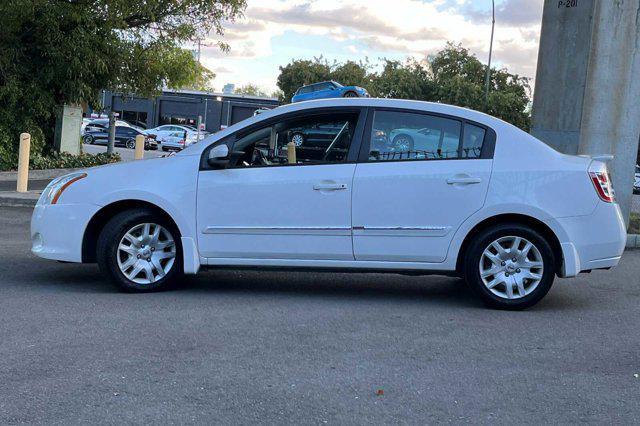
x: 433, y: 107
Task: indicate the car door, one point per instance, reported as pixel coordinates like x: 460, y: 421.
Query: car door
x: 408, y: 204
x: 273, y: 201
x: 323, y: 90
x: 123, y: 134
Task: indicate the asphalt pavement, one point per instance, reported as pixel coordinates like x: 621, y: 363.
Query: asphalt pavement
x: 309, y: 348
x: 125, y: 153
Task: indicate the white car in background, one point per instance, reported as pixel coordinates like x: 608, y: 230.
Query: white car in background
x: 636, y: 183
x: 508, y: 213
x: 168, y: 132
x: 173, y: 141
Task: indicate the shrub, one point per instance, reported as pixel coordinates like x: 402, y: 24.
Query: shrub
x: 65, y: 160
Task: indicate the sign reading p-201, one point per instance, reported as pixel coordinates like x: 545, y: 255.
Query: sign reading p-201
x: 567, y: 3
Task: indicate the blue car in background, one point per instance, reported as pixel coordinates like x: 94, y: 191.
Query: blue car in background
x: 328, y: 89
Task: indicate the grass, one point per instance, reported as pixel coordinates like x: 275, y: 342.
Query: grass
x: 634, y: 223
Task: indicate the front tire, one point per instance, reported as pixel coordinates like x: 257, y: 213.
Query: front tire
x: 140, y: 251
x: 351, y: 95
x: 88, y: 139
x: 131, y: 144
x: 510, y: 266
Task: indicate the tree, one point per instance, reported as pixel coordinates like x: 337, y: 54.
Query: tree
x: 459, y: 79
x: 301, y: 72
x: 453, y: 76
x: 54, y: 52
x: 251, y: 90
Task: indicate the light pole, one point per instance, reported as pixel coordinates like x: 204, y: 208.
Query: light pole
x: 488, y: 78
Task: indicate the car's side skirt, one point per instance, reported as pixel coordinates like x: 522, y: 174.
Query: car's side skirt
x: 330, y: 264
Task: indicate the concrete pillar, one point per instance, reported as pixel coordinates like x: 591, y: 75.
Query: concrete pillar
x: 587, y: 96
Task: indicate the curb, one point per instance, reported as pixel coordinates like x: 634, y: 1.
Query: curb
x: 37, y: 174
x: 14, y: 199
x: 633, y: 241
x: 17, y: 202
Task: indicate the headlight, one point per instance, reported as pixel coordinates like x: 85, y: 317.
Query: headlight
x: 54, y: 190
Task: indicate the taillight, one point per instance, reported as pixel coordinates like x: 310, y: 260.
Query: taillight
x: 602, y: 183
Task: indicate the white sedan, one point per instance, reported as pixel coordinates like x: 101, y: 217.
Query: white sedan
x: 167, y: 136
x: 507, y: 212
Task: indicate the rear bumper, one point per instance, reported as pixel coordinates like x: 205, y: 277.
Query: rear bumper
x: 593, y: 242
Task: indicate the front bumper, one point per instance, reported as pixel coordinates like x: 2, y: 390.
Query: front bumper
x: 57, y: 230
x: 596, y: 241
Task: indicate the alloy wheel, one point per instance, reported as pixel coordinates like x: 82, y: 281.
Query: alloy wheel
x: 146, y: 253
x: 511, y: 267
x: 402, y: 144
x: 297, y: 139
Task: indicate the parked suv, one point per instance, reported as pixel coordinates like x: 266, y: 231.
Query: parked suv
x: 125, y: 136
x: 502, y: 209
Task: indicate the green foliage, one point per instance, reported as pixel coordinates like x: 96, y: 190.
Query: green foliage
x: 452, y: 76
x: 634, y: 223
x: 301, y: 72
x: 55, y: 52
x: 63, y: 160
x: 251, y: 90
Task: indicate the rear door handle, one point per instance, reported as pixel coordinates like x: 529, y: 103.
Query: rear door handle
x: 329, y: 186
x: 463, y: 181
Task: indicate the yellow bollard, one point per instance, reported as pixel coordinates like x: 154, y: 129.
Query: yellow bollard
x: 23, y: 162
x: 139, y: 147
x: 291, y: 153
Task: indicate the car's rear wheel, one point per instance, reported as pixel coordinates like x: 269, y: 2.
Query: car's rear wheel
x: 510, y: 266
x: 88, y: 139
x: 140, y: 251
x: 402, y: 143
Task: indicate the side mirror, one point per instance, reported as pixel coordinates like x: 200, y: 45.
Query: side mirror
x: 219, y: 156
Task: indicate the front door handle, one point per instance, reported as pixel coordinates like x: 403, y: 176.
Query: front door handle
x: 329, y: 186
x: 463, y: 181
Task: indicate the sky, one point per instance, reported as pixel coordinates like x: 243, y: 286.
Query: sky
x: 274, y: 32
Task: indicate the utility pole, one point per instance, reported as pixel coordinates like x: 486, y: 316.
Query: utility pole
x: 112, y: 132
x: 488, y: 78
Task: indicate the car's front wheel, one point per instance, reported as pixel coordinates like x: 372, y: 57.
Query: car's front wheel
x: 88, y: 139
x: 140, y: 251
x: 131, y: 144
x: 351, y: 95
x: 510, y: 266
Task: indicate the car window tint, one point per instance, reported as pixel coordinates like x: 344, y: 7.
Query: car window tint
x: 306, y: 89
x: 412, y: 136
x: 319, y: 139
x: 473, y: 140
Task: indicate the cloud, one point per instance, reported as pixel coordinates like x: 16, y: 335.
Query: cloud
x: 508, y: 13
x: 381, y: 28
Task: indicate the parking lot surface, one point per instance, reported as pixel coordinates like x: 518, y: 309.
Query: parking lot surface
x: 309, y: 348
x: 125, y: 153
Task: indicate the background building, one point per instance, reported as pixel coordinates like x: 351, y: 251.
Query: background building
x: 216, y: 110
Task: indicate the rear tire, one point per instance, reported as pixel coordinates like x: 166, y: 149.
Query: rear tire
x: 140, y: 251
x: 505, y: 276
